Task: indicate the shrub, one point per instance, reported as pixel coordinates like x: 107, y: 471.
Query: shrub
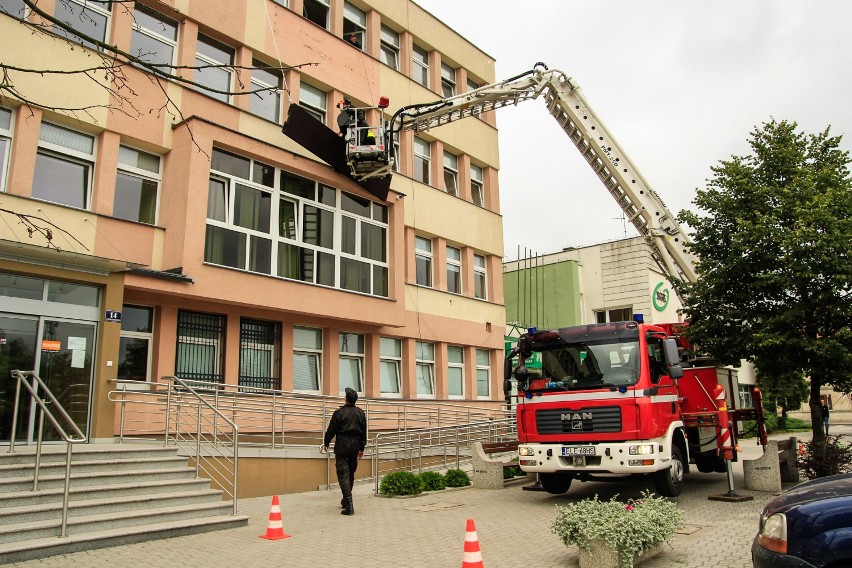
x: 432, y: 481
x: 631, y: 529
x: 457, y: 478
x: 828, y: 457
x: 513, y: 471
x: 400, y: 483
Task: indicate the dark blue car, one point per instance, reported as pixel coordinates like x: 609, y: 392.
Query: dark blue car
x: 809, y: 525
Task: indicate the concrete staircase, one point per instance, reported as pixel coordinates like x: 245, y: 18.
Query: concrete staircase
x: 119, y: 494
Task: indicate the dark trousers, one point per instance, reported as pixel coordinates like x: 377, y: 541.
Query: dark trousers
x: 346, y: 466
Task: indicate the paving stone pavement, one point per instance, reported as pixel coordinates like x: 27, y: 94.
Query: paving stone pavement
x: 512, y: 524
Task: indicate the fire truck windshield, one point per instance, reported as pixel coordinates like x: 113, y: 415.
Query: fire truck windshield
x: 591, y: 365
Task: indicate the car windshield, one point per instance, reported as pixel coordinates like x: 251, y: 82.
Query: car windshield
x: 583, y: 365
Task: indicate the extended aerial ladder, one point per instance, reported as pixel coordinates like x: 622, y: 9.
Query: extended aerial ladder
x: 668, y: 242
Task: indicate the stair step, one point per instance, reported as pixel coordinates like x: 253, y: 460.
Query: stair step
x: 77, y: 466
x: 100, y: 478
x: 110, y: 503
x: 82, y: 493
x: 84, y: 452
x: 51, y: 546
x: 121, y: 519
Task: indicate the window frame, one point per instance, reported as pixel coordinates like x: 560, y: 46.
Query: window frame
x: 395, y: 360
x: 480, y: 367
x: 311, y: 108
x: 607, y: 314
x: 136, y: 27
x: 420, y: 67
x: 388, y: 47
x: 477, y: 186
x: 148, y: 337
x: 317, y: 4
x: 454, y: 265
x: 136, y: 172
x: 85, y: 6
x: 6, y: 153
x: 70, y: 155
x: 459, y: 365
x: 422, y: 363
x: 448, y: 80
x: 350, y: 355
x: 313, y: 353
x: 425, y: 169
x: 426, y: 257
x: 451, y: 173
x: 218, y: 344
x: 249, y: 344
x: 349, y: 24
x: 258, y: 83
x: 480, y: 276
x: 209, y: 60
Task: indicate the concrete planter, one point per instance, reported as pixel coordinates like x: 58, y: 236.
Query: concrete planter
x: 599, y: 554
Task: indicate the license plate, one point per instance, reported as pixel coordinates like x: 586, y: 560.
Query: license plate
x: 578, y: 451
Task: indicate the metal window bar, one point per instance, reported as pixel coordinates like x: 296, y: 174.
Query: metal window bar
x: 200, y: 353
x: 263, y: 339
x: 44, y: 403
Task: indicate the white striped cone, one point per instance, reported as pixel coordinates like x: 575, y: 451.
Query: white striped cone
x: 472, y: 555
x: 275, y: 528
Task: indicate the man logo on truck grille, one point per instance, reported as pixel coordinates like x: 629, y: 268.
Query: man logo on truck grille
x: 575, y: 418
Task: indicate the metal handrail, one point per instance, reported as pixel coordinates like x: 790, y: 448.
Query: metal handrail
x: 76, y: 437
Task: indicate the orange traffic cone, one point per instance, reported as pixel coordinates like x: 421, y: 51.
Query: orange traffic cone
x: 275, y: 528
x: 472, y: 555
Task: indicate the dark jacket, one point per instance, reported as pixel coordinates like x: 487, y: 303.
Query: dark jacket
x: 349, y: 425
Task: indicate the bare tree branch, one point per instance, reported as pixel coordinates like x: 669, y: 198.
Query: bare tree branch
x: 41, y: 226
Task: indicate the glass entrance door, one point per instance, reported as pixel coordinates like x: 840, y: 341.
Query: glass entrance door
x: 18, y: 349
x: 65, y: 366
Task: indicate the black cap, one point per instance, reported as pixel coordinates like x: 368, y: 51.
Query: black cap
x: 351, y: 395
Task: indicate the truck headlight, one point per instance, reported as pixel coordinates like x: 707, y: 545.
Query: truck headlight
x: 773, y: 533
x: 641, y: 450
x: 525, y: 451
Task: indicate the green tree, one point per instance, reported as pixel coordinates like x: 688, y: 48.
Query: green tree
x: 775, y: 265
x: 782, y: 388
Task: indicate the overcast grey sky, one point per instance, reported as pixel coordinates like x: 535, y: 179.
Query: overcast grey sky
x: 679, y: 83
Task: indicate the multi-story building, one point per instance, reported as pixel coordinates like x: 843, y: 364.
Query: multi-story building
x: 155, y: 227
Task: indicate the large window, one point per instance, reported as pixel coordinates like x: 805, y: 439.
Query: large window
x: 260, y: 354
x: 269, y: 221
x: 89, y: 17
x: 307, y: 359
x: 351, y: 362
x: 483, y: 373
x: 454, y: 270
x: 423, y: 260
x: 614, y: 315
x: 451, y: 173
x: 390, y: 47
x: 448, y: 81
x: 219, y: 76
x: 137, y: 185
x: 422, y: 157
x: 154, y: 37
x: 480, y: 277
x: 200, y: 353
x: 390, y: 365
x: 420, y: 65
x: 265, y: 104
x: 317, y: 12
x: 477, y: 188
x: 5, y: 144
x: 455, y: 371
x: 64, y: 164
x: 313, y: 100
x: 135, y: 344
x: 354, y: 25
x: 425, y: 368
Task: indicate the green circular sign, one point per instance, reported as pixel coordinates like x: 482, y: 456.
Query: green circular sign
x: 660, y: 298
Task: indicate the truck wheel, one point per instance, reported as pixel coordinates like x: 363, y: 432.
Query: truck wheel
x: 555, y: 483
x: 669, y: 481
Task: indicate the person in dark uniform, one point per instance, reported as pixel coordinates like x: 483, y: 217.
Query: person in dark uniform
x: 824, y: 412
x: 348, y: 425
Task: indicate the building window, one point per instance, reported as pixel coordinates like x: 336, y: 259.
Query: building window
x: 313, y: 100
x: 454, y: 270
x: 285, y: 3
x: 265, y: 103
x: 212, y: 52
x: 200, y: 353
x: 422, y: 157
x: 89, y: 17
x: 390, y: 365
x: 5, y: 144
x: 396, y: 151
x: 451, y: 173
x: 351, y: 362
x: 425, y: 367
x: 317, y: 12
x: 137, y: 185
x: 455, y: 371
x: 14, y: 8
x: 746, y: 400
x: 480, y: 280
x: 354, y: 25
x: 423, y: 261
x: 483, y: 373
x: 260, y: 354
x: 477, y: 188
x: 471, y: 85
x: 63, y: 168
x: 390, y: 47
x: 135, y: 342
x: 448, y: 81
x: 307, y: 359
x: 420, y: 67
x: 266, y: 220
x: 615, y: 315
x: 154, y: 37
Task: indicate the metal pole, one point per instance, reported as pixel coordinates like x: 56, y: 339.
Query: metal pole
x: 63, y: 527
x: 38, y: 447
x: 198, y: 442
x: 20, y: 377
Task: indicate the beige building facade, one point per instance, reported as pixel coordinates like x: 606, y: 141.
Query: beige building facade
x: 153, y: 228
